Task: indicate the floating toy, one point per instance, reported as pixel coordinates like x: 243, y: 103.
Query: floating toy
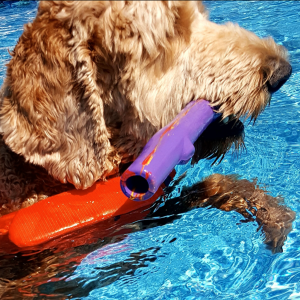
x: 145, y: 179
x: 170, y: 146
x: 69, y: 211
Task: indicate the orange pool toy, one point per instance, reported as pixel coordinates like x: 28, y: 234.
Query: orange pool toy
x: 69, y: 211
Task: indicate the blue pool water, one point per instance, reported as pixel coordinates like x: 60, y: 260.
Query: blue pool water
x: 207, y: 253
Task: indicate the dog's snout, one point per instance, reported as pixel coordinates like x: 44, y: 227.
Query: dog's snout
x: 282, y: 72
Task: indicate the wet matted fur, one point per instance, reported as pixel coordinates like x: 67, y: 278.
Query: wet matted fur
x: 90, y: 82
x: 230, y: 193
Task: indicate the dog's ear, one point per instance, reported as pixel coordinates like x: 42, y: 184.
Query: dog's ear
x: 52, y: 111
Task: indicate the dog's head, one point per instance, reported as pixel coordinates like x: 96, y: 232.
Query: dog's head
x: 90, y: 82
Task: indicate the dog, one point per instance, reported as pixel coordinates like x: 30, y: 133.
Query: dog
x: 89, y: 83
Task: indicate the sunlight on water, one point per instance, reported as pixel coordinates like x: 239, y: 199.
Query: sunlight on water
x: 207, y: 253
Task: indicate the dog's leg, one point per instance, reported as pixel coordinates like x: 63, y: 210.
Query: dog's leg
x: 228, y: 193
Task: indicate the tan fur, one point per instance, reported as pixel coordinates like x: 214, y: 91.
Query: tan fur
x: 228, y: 193
x: 255, y: 204
x: 90, y: 82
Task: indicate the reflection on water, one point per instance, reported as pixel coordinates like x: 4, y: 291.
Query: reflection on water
x: 200, y: 254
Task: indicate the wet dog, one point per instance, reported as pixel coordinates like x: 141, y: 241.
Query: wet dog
x: 90, y: 82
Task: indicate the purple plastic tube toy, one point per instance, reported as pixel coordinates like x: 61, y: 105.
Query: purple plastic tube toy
x: 170, y: 146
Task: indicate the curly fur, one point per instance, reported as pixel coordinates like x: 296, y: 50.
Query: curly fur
x: 255, y: 204
x: 90, y: 82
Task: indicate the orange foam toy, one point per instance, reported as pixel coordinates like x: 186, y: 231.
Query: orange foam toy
x: 68, y: 211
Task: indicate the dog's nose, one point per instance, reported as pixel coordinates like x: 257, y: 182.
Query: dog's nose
x: 280, y: 76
